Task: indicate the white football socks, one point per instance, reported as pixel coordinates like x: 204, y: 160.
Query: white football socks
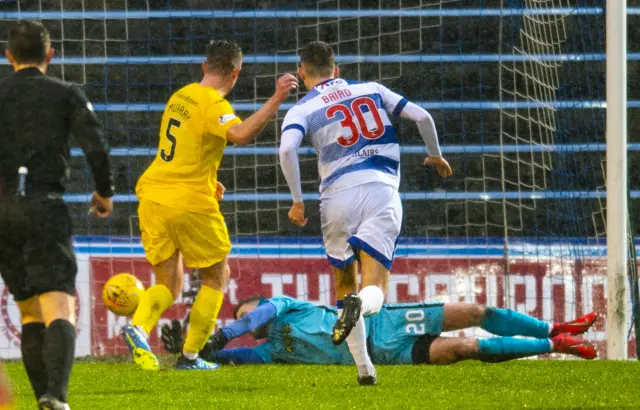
x: 190, y: 356
x: 357, y: 342
x: 372, y: 298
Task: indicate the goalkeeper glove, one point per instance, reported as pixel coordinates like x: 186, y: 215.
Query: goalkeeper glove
x: 172, y: 337
x: 172, y: 340
x: 215, y: 343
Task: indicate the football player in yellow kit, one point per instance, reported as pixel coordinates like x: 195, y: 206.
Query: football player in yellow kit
x: 180, y: 219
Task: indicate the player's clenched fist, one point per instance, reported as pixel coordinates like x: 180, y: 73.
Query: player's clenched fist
x: 440, y: 164
x: 284, y: 85
x: 296, y: 214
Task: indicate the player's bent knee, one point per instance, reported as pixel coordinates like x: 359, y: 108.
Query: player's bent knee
x: 57, y: 305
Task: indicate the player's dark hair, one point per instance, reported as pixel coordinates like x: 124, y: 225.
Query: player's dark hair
x: 223, y: 56
x: 318, y: 59
x: 29, y: 42
x: 244, y: 301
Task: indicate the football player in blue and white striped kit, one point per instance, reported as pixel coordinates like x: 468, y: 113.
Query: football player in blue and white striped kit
x: 359, y: 167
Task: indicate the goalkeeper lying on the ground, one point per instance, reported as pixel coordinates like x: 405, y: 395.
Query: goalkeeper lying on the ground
x: 300, y: 332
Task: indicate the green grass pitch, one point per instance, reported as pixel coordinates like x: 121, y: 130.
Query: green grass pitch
x: 521, y: 384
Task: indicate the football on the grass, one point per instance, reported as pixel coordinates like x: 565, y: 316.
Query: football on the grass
x: 121, y: 294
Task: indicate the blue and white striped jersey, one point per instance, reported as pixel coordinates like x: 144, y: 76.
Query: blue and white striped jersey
x: 349, y: 127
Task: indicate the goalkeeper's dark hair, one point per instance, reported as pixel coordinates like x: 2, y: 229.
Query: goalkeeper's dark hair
x: 223, y: 56
x: 244, y: 302
x: 318, y: 59
x: 29, y: 42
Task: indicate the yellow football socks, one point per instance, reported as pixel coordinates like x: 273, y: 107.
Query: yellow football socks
x: 202, y: 319
x: 153, y: 303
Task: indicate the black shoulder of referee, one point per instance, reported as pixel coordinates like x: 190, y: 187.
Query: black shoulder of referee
x: 88, y: 132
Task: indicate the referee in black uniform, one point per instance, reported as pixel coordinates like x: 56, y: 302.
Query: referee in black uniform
x: 37, y: 263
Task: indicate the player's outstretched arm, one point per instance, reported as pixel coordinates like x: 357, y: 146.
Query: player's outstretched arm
x: 172, y: 336
x: 258, y: 317
x: 246, y: 132
x: 87, y: 130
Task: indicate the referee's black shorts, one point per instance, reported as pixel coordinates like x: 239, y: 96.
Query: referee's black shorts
x: 36, y: 252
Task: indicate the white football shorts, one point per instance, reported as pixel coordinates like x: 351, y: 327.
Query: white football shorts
x: 366, y: 217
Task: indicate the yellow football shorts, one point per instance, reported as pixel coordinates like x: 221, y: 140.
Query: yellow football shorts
x: 202, y: 239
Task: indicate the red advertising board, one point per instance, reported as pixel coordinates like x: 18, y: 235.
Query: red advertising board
x: 547, y: 289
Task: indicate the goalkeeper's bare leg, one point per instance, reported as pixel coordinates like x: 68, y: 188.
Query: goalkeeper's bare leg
x: 154, y: 302
x: 507, y: 322
x: 544, y: 337
x: 203, y: 316
x: 450, y: 350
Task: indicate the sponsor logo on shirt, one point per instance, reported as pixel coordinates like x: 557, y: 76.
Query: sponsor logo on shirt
x: 223, y: 119
x: 366, y: 152
x: 187, y: 99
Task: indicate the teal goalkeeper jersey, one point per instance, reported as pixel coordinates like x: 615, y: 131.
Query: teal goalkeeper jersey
x: 301, y: 332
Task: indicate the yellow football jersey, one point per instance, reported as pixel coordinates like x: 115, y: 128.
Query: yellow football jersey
x: 193, y: 134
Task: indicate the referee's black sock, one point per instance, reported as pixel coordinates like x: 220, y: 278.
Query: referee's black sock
x: 58, y: 353
x: 31, y: 344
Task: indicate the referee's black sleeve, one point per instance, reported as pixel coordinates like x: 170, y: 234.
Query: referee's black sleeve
x: 88, y: 132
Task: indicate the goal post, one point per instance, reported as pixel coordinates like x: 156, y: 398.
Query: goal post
x: 617, y: 207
